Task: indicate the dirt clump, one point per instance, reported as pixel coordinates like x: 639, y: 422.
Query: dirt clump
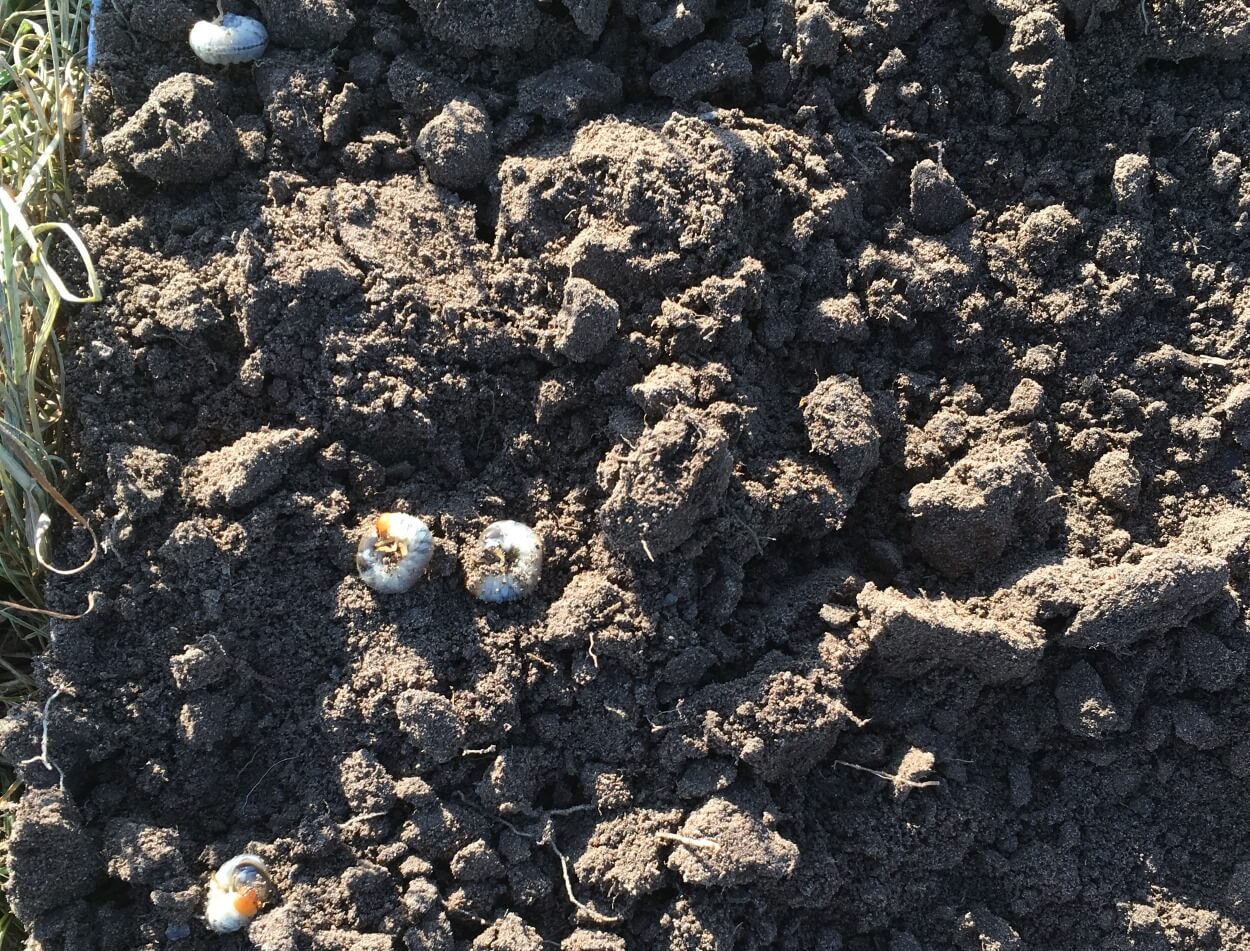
x: 57, y: 860
x: 991, y: 498
x: 670, y: 482
x: 728, y: 845
x: 181, y: 135
x: 248, y: 469
x: 455, y: 145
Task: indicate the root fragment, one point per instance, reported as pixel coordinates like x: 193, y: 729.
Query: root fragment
x: 916, y: 763
x: 547, y: 837
x: 688, y: 841
x: 43, y: 759
x: 263, y: 777
x: 596, y: 916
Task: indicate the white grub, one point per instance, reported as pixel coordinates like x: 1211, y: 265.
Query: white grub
x: 229, y: 39
x: 394, y: 552
x: 237, y: 892
x: 506, y: 563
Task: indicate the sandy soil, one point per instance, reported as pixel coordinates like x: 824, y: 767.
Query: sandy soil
x: 875, y: 375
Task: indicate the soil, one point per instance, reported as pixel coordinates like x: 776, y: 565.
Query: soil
x: 874, y: 374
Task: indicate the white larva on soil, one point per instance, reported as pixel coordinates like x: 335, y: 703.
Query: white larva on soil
x: 237, y: 892
x: 229, y: 39
x: 394, y: 552
x: 506, y: 564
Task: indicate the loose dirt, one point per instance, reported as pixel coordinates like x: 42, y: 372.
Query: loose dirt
x: 874, y: 373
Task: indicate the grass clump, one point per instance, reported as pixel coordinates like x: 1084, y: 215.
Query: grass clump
x: 41, y: 80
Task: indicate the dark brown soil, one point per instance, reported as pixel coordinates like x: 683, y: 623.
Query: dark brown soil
x: 875, y: 374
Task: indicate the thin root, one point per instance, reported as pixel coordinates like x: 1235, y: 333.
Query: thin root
x: 263, y: 776
x: 689, y: 842
x: 45, y: 612
x: 356, y: 820
x: 597, y: 917
x: 547, y: 837
x: 890, y: 777
x: 43, y: 758
x: 567, y: 810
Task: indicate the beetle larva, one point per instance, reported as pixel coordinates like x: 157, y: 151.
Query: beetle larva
x: 229, y: 39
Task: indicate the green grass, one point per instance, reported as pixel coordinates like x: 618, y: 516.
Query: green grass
x: 41, y: 76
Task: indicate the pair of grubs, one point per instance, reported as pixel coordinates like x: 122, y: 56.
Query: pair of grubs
x: 396, y: 548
